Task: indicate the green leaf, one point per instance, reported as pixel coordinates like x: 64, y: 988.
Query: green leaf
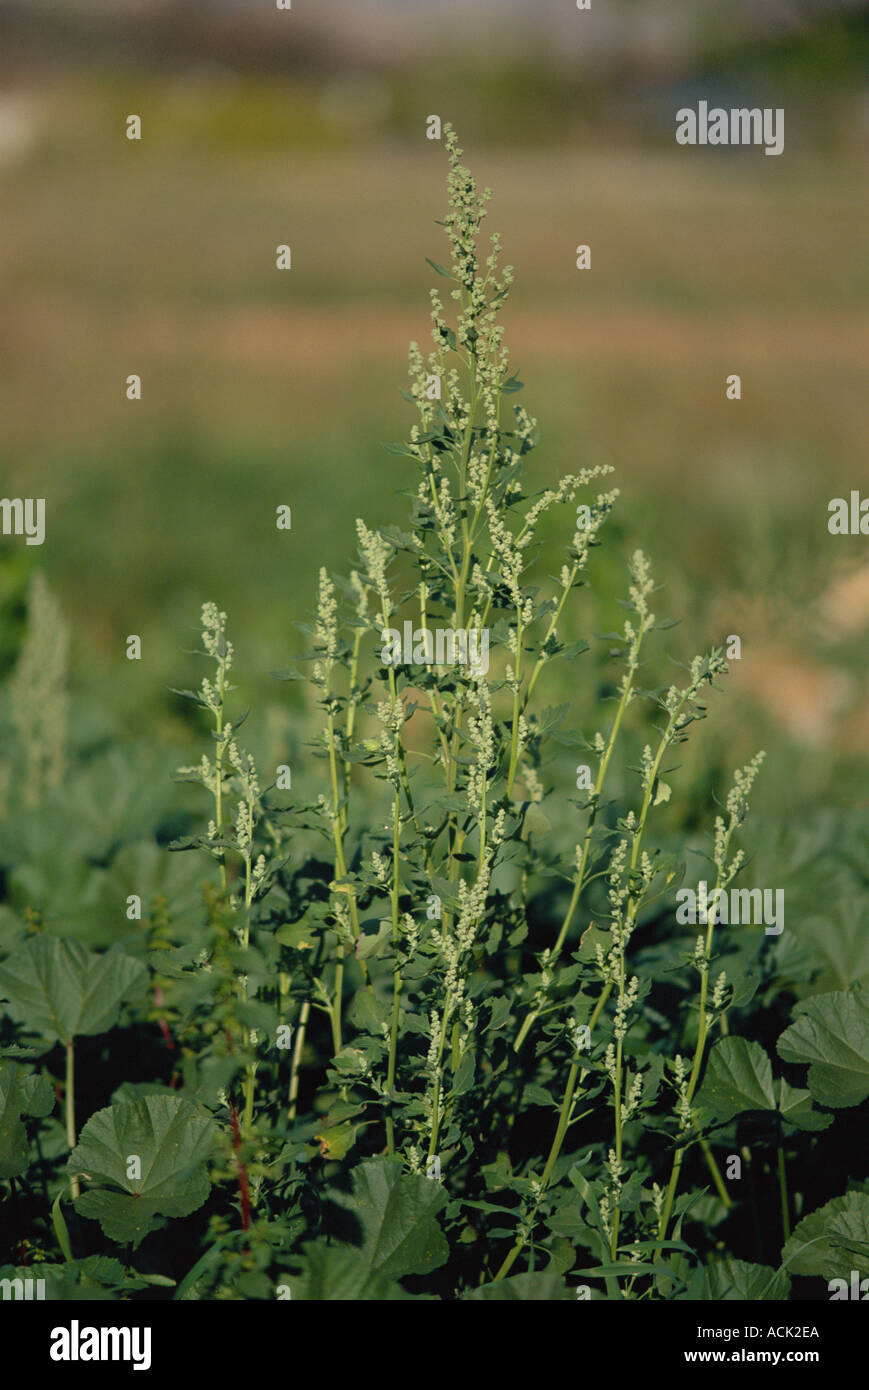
x: 94, y: 1278
x: 535, y: 822
x: 738, y: 1077
x: 350, y: 1061
x: 190, y: 1288
x: 109, y: 800
x: 568, y: 1221
x: 820, y: 861
x: 511, y: 385
x: 374, y: 943
x: 545, y: 1286
x: 441, y: 270
x: 838, y: 940
x: 833, y: 1240
x: 745, y: 985
x: 396, y: 1212
x: 734, y: 1280
x: 21, y: 1093
x: 367, y: 1013
x: 171, y: 1137
x: 501, y: 1007
x: 399, y: 449
x: 299, y: 935
x: 602, y: 1271
x: 591, y: 938
x: 61, y: 1230
x: 831, y: 1034
x: 339, y: 1273
x: 464, y: 1077
x: 663, y: 792
x: 536, y: 1094
x: 63, y: 991
x: 569, y: 652
x: 336, y: 1141
x: 288, y: 673
x: 795, y: 1107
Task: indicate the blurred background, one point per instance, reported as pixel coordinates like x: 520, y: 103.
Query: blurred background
x: 307, y: 127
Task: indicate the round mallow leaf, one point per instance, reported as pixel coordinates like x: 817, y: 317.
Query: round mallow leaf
x: 143, y: 1160
x: 831, y: 1034
x: 61, y: 990
x: 833, y: 1241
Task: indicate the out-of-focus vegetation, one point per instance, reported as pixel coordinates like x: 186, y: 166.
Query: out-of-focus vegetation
x: 262, y: 388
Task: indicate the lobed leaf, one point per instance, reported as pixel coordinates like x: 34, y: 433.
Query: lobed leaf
x: 172, y: 1139
x: 62, y: 991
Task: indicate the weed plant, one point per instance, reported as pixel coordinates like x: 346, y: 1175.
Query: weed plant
x: 400, y: 1044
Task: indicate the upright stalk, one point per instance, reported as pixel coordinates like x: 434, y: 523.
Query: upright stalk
x: 298, y: 1045
x: 69, y: 1099
x: 737, y: 807
x: 783, y: 1190
x: 396, y: 975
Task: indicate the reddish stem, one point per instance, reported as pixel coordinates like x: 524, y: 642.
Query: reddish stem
x: 164, y: 1027
x: 243, y: 1186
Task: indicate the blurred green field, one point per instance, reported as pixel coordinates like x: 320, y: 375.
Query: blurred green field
x: 262, y: 388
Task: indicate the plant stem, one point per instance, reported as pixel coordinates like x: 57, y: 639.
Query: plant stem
x: 716, y: 1173
x: 70, y: 1108
x: 630, y: 913
x: 249, y: 1083
x: 783, y: 1189
x: 220, y: 747
x: 304, y: 1015
x: 337, y: 821
x: 241, y: 1170
x: 574, y: 1077
x: 396, y: 974
x: 352, y: 704
x: 582, y: 866
x: 563, y: 1122
x: 514, y: 729
x: 335, y: 1011
x: 436, y: 1099
x: 702, y: 1030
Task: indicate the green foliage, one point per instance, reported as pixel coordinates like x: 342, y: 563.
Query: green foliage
x: 426, y: 1023
x: 833, y: 1241
x: 545, y: 1287
x: 338, y: 1273
x: 170, y: 1139
x: 38, y: 694
x: 95, y: 1278
x: 60, y: 990
x: 831, y: 1033
x: 21, y: 1093
x: 737, y: 1280
x: 397, y: 1213
x: 739, y: 1078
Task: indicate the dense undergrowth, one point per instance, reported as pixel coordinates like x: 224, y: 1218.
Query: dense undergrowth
x: 439, y: 1029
